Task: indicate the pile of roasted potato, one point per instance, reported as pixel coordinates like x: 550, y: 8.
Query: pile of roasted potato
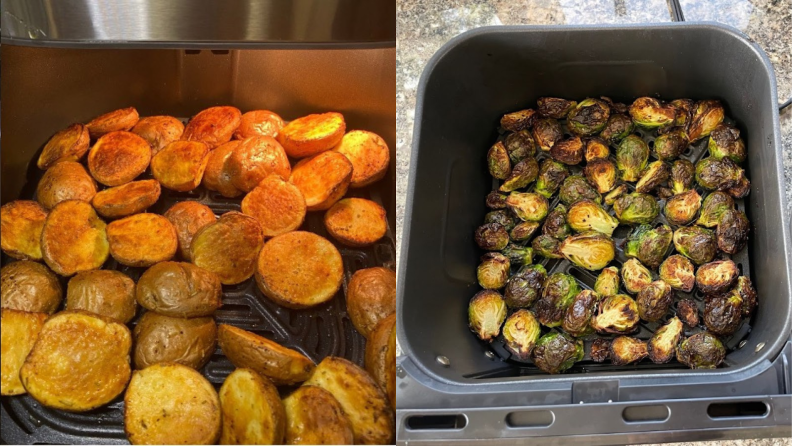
x: 91, y: 204
x: 546, y: 204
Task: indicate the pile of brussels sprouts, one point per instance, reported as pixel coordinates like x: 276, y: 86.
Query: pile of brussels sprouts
x: 622, y: 181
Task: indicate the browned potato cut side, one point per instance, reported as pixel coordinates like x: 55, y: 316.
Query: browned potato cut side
x: 313, y: 416
x: 30, y: 286
x: 118, y: 158
x: 180, y: 165
x: 70, y: 144
x: 252, y: 410
x: 216, y: 176
x: 21, y: 223
x: 323, y: 179
x: 66, y: 180
x: 213, y: 126
x: 117, y: 120
x: 160, y: 338
x: 142, y: 239
x: 159, y: 131
x: 369, y: 156
x: 356, y: 222
x: 259, y: 123
x: 74, y: 238
x: 127, y: 199
x: 229, y: 247
x: 312, y: 134
x: 254, y: 159
x: 19, y: 332
x: 371, y: 297
x: 188, y: 217
x: 381, y: 356
x: 179, y: 289
x: 278, y: 206
x: 104, y: 292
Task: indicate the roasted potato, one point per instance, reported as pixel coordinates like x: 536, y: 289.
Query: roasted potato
x: 158, y: 131
x: 228, y: 247
x: 104, y: 292
x: 259, y: 123
x: 21, y: 223
x: 19, y: 333
x: 180, y: 165
x: 118, y: 158
x: 70, y: 144
x: 254, y: 159
x: 179, y: 289
x: 142, y: 239
x: 117, y: 120
x: 213, y: 126
x: 278, y: 206
x: 312, y: 134
x: 368, y: 154
x: 364, y: 404
x: 313, y: 416
x: 74, y: 238
x: 126, y: 199
x: 160, y: 338
x: 322, y: 179
x: 282, y: 365
x: 371, y: 297
x: 66, y: 180
x: 216, y: 176
x: 171, y: 404
x: 252, y: 410
x: 30, y: 286
x: 80, y: 361
x: 356, y: 222
x: 188, y: 217
x: 381, y: 356
x: 299, y: 270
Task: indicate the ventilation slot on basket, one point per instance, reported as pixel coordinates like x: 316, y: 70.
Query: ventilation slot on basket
x: 530, y: 419
x: 646, y: 414
x: 752, y: 409
x: 435, y: 422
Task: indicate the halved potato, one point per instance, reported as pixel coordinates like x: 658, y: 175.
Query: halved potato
x: 74, y: 238
x: 188, y: 217
x: 104, y: 292
x: 299, y: 270
x: 21, y: 223
x: 213, y: 126
x: 117, y: 120
x: 66, y: 180
x: 252, y: 410
x: 171, y: 404
x: 70, y: 144
x: 228, y: 247
x: 216, y: 176
x: 254, y: 159
x: 160, y: 338
x: 371, y: 297
x: 118, y: 158
x: 79, y: 362
x: 180, y: 165
x: 312, y: 134
x: 278, y: 206
x: 356, y: 222
x: 179, y: 289
x: 127, y: 199
x: 142, y: 239
x: 30, y: 286
x: 282, y: 365
x: 159, y: 131
x: 259, y: 123
x: 381, y: 356
x: 323, y: 179
x: 363, y: 401
x: 313, y: 416
x: 369, y: 155
x: 19, y: 333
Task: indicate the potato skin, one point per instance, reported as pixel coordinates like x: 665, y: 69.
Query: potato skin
x: 127, y: 199
x: 213, y: 126
x: 259, y: 123
x: 117, y: 120
x: 313, y: 416
x: 179, y: 289
x: 180, y: 165
x: 322, y: 179
x: 118, y: 158
x: 66, y: 180
x: 69, y: 144
x: 30, y: 286
x: 19, y: 333
x: 74, y: 238
x: 228, y: 247
x: 252, y: 410
x: 160, y: 338
x: 369, y: 156
x: 371, y: 297
x: 254, y: 159
x: 142, y: 239
x: 356, y: 222
x: 380, y: 359
x: 278, y: 206
x: 188, y: 217
x: 312, y: 134
x: 104, y: 292
x: 21, y: 223
x: 216, y: 176
x: 158, y: 131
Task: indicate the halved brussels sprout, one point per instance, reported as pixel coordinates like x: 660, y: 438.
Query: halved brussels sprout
x: 607, y: 283
x: 519, y: 120
x: 568, y: 151
x: 616, y: 107
x: 496, y: 200
x: 555, y: 108
x: 626, y: 350
x: 650, y: 113
x: 551, y: 175
x: 596, y: 149
x: 518, y: 255
x: 493, y: 271
x: 701, y: 351
x: 706, y: 117
x: 617, y: 128
x: 684, y: 112
x: 616, y: 314
x: 654, y: 300
x: 523, y: 174
x: 555, y: 224
x: 546, y: 132
x: 547, y: 247
x: 498, y: 161
x: 578, y: 315
x: 742, y: 188
x: 602, y: 174
x: 732, y: 231
x: 678, y: 272
x: 528, y: 206
x: 521, y: 331
x: 524, y: 288
x: 590, y: 250
x: 662, y: 345
x: 687, y: 310
x: 669, y: 146
x: 586, y: 215
x: 683, y: 174
x: 520, y: 146
x: 615, y: 194
x: 576, y: 188
x: 714, y: 205
x: 588, y: 117
x: 723, y: 314
x: 716, y: 277
x: 486, y: 313
x: 502, y: 217
x: 696, y: 243
x: 492, y: 237
x: 649, y: 245
x: 635, y: 276
x: 714, y: 174
x: 524, y: 230
x: 555, y: 352
x: 682, y: 209
x: 725, y: 141
x: 559, y: 291
x: 636, y: 208
x: 656, y: 174
x: 748, y: 294
x: 600, y: 349
x: 632, y: 155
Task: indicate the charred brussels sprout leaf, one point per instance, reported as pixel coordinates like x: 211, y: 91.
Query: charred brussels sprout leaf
x: 523, y: 174
x: 524, y: 288
x: 547, y: 246
x: 486, y: 313
x: 654, y: 300
x: 546, y: 132
x: 678, y: 272
x: 568, y: 151
x: 649, y: 245
x: 725, y: 141
x: 492, y: 237
x: 669, y: 146
x: 706, y: 117
x: 701, y: 351
x: 528, y: 206
x: 742, y: 188
x: 683, y: 175
x: 713, y: 207
x: 616, y: 107
x: 615, y: 194
x: 555, y: 108
x: 576, y: 188
x: 551, y: 175
x: 687, y: 310
x: 662, y: 345
x: 555, y: 352
x: 732, y: 231
x: 521, y: 331
x: 578, y: 315
x: 520, y: 146
x: 714, y: 174
x: 650, y: 113
x: 559, y: 291
x: 596, y: 149
x: 716, y: 277
x: 684, y: 112
x: 502, y: 217
x: 524, y: 230
x: 682, y: 209
x: 493, y: 271
x: 697, y: 244
x: 607, y: 283
x: 586, y: 215
x: 496, y: 200
x: 519, y: 120
x: 518, y: 255
x: 722, y: 314
x: 588, y: 117
x: 635, y: 276
x: 747, y: 292
x: 555, y: 224
x: 664, y: 193
x: 632, y: 155
x: 599, y: 350
x: 590, y: 250
x: 601, y: 173
x: 616, y: 314
x: 656, y: 174
x: 498, y: 161
x: 617, y: 128
x: 626, y: 350
x: 636, y: 208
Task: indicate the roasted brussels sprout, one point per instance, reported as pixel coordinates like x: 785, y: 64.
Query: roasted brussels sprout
x: 518, y: 255
x: 591, y: 250
x: 748, y: 294
x: 547, y: 246
x: 546, y: 132
x: 682, y: 209
x: 687, y: 310
x: 586, y: 215
x: 576, y: 188
x: 725, y: 141
x: 519, y: 120
x: 662, y: 345
x: 649, y: 245
x: 683, y: 174
x: 555, y: 352
x: 706, y: 117
x: 635, y: 276
x: 716, y: 277
x: 616, y: 314
x: 521, y: 331
x: 732, y: 231
x: 599, y: 349
x: 714, y: 174
x: 741, y: 189
x: 678, y: 272
x: 650, y: 113
x: 493, y: 271
x: 654, y: 300
x: 626, y: 350
x: 524, y: 230
x: 588, y: 117
x: 656, y: 174
x: 486, y: 313
x: 551, y: 175
x: 498, y: 161
x: 492, y: 237
x: 616, y: 107
x: 502, y: 217
x: 568, y: 151
x: 701, y: 351
x: 602, y: 174
x: 607, y: 283
x: 615, y: 194
x: 723, y: 314
x: 520, y: 146
x: 555, y: 108
x: 632, y: 155
x: 714, y: 205
x: 684, y: 112
x: 496, y: 200
x: 559, y: 291
x: 617, y: 128
x: 524, y: 288
x: 669, y: 146
x: 697, y: 244
x: 596, y: 149
x: 528, y: 206
x: 523, y: 174
x: 636, y: 208
x: 664, y: 193
x: 555, y: 225
x: 578, y: 315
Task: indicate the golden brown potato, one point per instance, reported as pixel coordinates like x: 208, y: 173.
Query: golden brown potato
x: 142, y: 239
x: 180, y: 165
x: 368, y: 154
x: 252, y: 410
x: 66, y: 180
x: 21, y: 223
x: 278, y: 206
x: 259, y: 123
x: 282, y: 365
x: 356, y: 222
x: 254, y: 159
x: 30, y: 286
x: 313, y: 416
x: 312, y: 134
x: 216, y: 176
x: 363, y: 401
x: 213, y: 126
x: 160, y: 338
x: 70, y: 144
x: 19, y: 333
x: 106, y: 293
x: 228, y: 247
x: 80, y: 361
x: 323, y: 179
x: 299, y: 270
x: 171, y: 404
x: 74, y: 238
x: 126, y: 199
x: 114, y: 121
x: 371, y: 297
x: 179, y: 289
x: 381, y: 356
x: 118, y: 158
x: 158, y: 131
x: 188, y: 217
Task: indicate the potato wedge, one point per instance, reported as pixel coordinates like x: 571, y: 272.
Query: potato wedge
x: 30, y: 286
x: 180, y: 165
x: 158, y: 131
x: 74, y: 238
x: 228, y: 247
x: 118, y: 158
x: 323, y: 179
x: 160, y: 338
x: 70, y: 144
x: 313, y: 416
x: 188, y: 217
x: 127, y: 199
x: 371, y: 297
x: 213, y: 126
x: 179, y: 289
x: 171, y: 404
x: 117, y: 120
x: 79, y: 362
x: 21, y: 223
x: 369, y: 156
x: 19, y: 333
x: 216, y: 176
x: 259, y: 123
x: 363, y: 401
x: 104, y: 292
x: 299, y: 270
x: 278, y: 206
x: 312, y: 134
x: 282, y: 365
x: 356, y: 222
x: 254, y: 159
x: 252, y: 410
x: 66, y: 180
x: 381, y: 356
x: 142, y: 239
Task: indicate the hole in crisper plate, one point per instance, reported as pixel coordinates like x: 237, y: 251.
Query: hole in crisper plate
x: 436, y: 422
x: 742, y: 409
x: 530, y: 419
x: 646, y: 414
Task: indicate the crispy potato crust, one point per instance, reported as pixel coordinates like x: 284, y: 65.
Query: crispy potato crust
x: 19, y: 333
x: 312, y: 134
x: 356, y: 222
x: 228, y: 247
x: 278, y: 206
x: 188, y: 217
x: 381, y: 356
x: 127, y: 199
x: 142, y: 239
x: 30, y: 286
x: 282, y: 365
x: 74, y: 238
x: 254, y: 159
x: 213, y: 126
x: 117, y: 120
x: 66, y: 180
x: 259, y: 123
x: 160, y: 338
x: 70, y: 144
x: 79, y: 362
x: 299, y: 270
x: 313, y: 416
x: 104, y: 292
x: 371, y: 297
x: 216, y: 176
x: 21, y: 223
x: 323, y: 179
x: 180, y: 165
x: 118, y: 158
x: 252, y: 410
x: 179, y: 289
x: 171, y: 404
x: 368, y: 154
x: 159, y: 131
